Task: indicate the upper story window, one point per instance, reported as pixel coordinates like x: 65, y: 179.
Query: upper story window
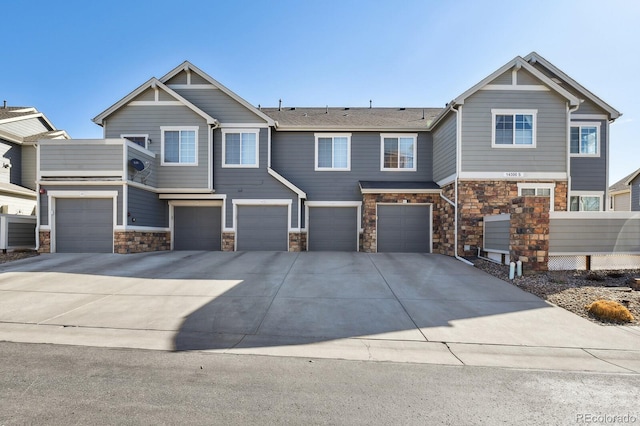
x: 240, y: 148
x: 333, y: 151
x: 398, y: 152
x: 179, y: 146
x: 141, y: 140
x: 585, y: 139
x: 513, y: 128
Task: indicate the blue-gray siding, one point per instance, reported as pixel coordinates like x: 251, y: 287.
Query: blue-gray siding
x: 44, y: 198
x: 444, y: 148
x: 218, y: 104
x: 253, y: 183
x: 497, y: 235
x: 294, y: 154
x: 147, y: 209
x: 596, y: 235
x: 28, y: 177
x: 21, y: 234
x: 14, y: 154
x: 635, y: 194
x: 80, y: 157
x: 149, y: 120
x: 590, y: 173
x: 551, y: 148
x: 149, y: 176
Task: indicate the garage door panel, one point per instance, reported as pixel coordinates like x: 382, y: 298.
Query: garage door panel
x: 84, y: 225
x: 197, y: 228
x: 262, y: 228
x: 404, y: 228
x: 333, y: 229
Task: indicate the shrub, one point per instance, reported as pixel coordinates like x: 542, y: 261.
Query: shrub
x: 609, y: 310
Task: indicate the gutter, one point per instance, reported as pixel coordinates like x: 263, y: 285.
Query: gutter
x: 455, y: 204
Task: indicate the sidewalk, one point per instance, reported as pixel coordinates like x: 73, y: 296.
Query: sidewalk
x: 418, y: 309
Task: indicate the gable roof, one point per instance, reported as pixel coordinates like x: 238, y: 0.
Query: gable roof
x: 186, y: 65
x: 152, y: 83
x: 534, y: 57
x: 517, y: 62
x: 627, y: 179
x: 323, y: 119
x: 12, y: 114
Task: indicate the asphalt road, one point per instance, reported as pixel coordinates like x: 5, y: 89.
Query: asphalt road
x: 50, y: 384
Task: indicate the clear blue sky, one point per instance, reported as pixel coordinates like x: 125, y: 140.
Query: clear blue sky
x: 73, y: 59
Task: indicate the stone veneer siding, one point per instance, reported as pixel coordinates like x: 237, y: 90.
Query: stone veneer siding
x: 228, y: 241
x: 529, y: 241
x: 477, y: 199
x: 442, y: 220
x: 45, y: 242
x: 125, y: 242
x: 297, y: 241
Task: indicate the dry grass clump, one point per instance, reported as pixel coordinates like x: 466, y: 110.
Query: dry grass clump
x: 608, y: 310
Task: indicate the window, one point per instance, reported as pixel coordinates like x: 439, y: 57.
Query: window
x: 179, y: 146
x: 240, y: 148
x: 585, y: 203
x: 538, y: 190
x: 513, y: 128
x: 398, y: 152
x: 137, y: 139
x: 584, y: 139
x: 333, y: 151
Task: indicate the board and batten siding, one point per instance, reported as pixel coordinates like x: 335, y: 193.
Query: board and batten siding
x: 219, y: 105
x: 147, y: 209
x: 249, y: 182
x: 597, y: 235
x: 590, y: 173
x: 293, y: 156
x: 550, y: 152
x: 44, y: 198
x: 444, y: 148
x: 77, y: 157
x: 497, y: 233
x: 148, y: 120
x: 29, y: 165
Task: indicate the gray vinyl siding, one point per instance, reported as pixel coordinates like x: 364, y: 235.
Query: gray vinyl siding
x: 248, y: 182
x: 21, y: 234
x: 504, y: 78
x: 149, y: 120
x: 28, y: 177
x: 293, y: 156
x: 14, y: 155
x: 590, y: 173
x: 497, y: 235
x: 444, y: 148
x: 78, y: 157
x: 28, y: 127
x: 591, y: 236
x: 551, y: 133
x: 587, y: 107
x: 219, y: 105
x: 526, y: 78
x: 147, y: 95
x: 147, y: 209
x: 150, y: 174
x: 635, y: 194
x: 44, y: 198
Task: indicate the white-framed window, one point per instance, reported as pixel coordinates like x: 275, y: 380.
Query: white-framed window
x: 138, y: 139
x: 585, y: 139
x: 179, y: 145
x: 240, y: 148
x: 333, y: 152
x: 585, y: 202
x: 538, y: 190
x: 513, y: 128
x: 399, y: 152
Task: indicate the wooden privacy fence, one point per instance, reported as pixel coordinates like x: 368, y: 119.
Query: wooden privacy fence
x: 17, y: 232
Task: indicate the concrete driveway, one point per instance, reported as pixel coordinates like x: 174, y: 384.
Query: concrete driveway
x: 397, y: 307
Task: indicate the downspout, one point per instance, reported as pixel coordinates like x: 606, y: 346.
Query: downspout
x: 569, y: 111
x: 455, y: 204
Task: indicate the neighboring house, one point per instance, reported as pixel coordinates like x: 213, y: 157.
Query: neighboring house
x: 632, y: 183
x: 188, y: 164
x: 20, y: 129
x: 620, y: 194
